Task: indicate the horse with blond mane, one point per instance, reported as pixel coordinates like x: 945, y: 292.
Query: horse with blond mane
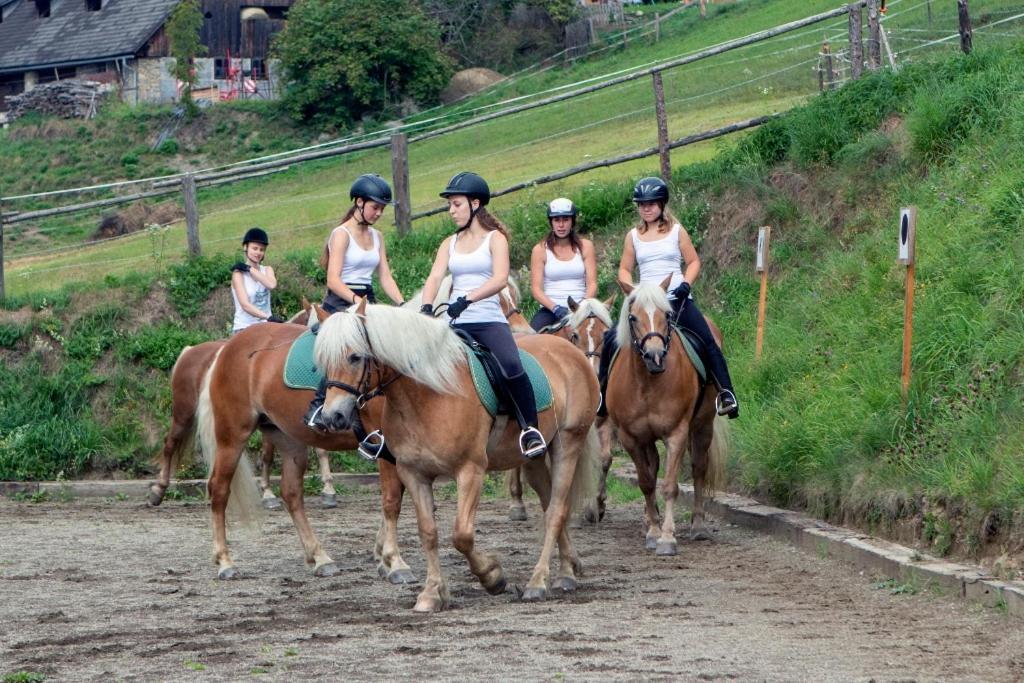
x: 436, y: 425
x: 655, y: 393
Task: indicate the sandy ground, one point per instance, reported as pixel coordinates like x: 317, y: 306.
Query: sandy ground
x: 105, y: 590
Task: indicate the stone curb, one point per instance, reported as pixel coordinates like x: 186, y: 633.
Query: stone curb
x: 138, y: 488
x: 861, y: 550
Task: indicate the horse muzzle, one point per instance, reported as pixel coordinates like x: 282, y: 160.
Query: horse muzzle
x: 339, y: 415
x: 654, y: 361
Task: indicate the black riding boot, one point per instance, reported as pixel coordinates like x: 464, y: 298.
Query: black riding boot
x: 725, y: 403
x: 607, y: 351
x: 314, y: 417
x: 531, y: 441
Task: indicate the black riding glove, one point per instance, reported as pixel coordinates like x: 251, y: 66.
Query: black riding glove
x: 427, y: 309
x: 682, y: 292
x: 560, y: 312
x: 275, y: 319
x: 458, y: 307
x: 240, y: 267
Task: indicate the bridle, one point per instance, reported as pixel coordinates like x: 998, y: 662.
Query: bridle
x: 362, y: 390
x: 575, y: 339
x: 639, y: 344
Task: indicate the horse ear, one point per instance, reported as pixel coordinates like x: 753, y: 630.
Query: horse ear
x: 573, y: 306
x: 306, y: 305
x: 665, y: 283
x: 321, y: 314
x: 610, y: 301
x: 361, y: 307
x: 626, y: 287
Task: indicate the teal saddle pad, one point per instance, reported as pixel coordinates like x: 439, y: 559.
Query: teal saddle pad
x: 488, y: 397
x: 698, y: 364
x: 301, y: 373
x: 299, y: 370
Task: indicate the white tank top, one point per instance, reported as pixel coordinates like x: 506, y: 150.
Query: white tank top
x: 359, y: 263
x: 259, y: 296
x: 659, y: 258
x: 563, y: 279
x: 469, y: 271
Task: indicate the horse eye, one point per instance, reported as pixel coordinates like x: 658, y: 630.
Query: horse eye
x: 632, y: 318
x: 354, y: 358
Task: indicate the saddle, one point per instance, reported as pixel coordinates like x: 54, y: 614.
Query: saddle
x: 488, y: 379
x: 300, y: 372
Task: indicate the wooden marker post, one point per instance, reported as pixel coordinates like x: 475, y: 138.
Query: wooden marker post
x: 761, y: 266
x: 908, y: 228
x: 2, y: 290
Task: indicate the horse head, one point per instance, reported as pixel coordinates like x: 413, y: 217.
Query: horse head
x: 644, y: 323
x: 589, y: 320
x: 343, y: 355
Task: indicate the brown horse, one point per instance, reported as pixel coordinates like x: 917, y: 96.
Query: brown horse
x: 241, y: 391
x: 653, y: 393
x: 436, y: 425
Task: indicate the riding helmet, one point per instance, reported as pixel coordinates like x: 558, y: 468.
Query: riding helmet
x: 469, y: 184
x: 562, y: 207
x: 371, y: 186
x: 256, y: 235
x: 650, y: 189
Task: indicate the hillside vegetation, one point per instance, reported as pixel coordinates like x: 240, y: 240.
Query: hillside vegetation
x: 83, y: 378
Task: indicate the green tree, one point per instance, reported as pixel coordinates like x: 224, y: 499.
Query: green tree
x: 183, y: 35
x: 345, y: 58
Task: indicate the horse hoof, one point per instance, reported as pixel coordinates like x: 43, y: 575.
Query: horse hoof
x: 497, y: 588
x: 401, y: 576
x: 534, y: 594
x: 329, y: 500
x: 517, y: 514
x: 228, y: 573
x: 154, y: 498
x: 329, y: 569
x: 271, y: 503
x: 651, y: 543
x: 566, y: 584
x: 700, y: 536
x: 428, y: 606
x: 665, y: 548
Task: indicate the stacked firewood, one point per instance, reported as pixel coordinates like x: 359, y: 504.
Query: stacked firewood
x: 68, y: 99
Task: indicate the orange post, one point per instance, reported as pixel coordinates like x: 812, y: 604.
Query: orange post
x: 908, y: 240
x: 761, y: 266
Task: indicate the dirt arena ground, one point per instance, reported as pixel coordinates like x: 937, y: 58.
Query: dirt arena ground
x: 111, y: 590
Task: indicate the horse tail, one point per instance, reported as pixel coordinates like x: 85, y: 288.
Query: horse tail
x: 585, y: 482
x: 244, y: 499
x: 715, y: 478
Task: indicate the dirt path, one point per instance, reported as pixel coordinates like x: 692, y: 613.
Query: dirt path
x: 99, y: 590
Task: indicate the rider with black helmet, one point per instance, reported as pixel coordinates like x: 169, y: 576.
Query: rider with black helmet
x: 354, y: 251
x: 477, y: 257
x: 562, y: 266
x: 658, y: 245
x: 251, y: 282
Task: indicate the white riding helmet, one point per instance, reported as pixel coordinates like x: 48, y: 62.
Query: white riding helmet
x: 562, y: 207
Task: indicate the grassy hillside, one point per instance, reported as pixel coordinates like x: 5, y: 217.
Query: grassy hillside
x: 298, y: 205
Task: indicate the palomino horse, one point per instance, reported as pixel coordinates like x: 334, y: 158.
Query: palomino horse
x: 436, y: 425
x: 653, y: 393
x: 243, y: 390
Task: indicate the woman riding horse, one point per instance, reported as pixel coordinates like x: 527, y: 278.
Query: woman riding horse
x: 563, y: 266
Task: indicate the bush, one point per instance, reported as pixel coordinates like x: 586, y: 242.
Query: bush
x: 192, y: 281
x: 168, y: 146
x: 11, y: 334
x: 159, y: 347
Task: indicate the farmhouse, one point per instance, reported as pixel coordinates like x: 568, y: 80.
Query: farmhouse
x: 123, y: 42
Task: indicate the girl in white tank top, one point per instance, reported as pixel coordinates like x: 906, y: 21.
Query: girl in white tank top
x: 562, y: 265
x: 251, y: 283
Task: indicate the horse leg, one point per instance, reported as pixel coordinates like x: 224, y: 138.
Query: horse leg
x: 270, y: 501
x: 595, y: 512
x: 485, y: 566
x: 516, y: 509
x: 294, y: 460
x: 647, y: 479
x: 676, y: 449
x: 569, y: 562
x: 180, y: 432
x: 392, y: 567
x: 434, y: 596
x: 219, y: 489
x: 700, y: 445
x: 328, y: 496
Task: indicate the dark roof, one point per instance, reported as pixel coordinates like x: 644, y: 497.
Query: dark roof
x: 74, y: 35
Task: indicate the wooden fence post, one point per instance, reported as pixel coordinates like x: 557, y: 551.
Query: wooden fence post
x: 874, y: 40
x: 3, y: 292
x: 856, y: 41
x: 826, y: 75
x: 657, y: 27
x: 188, y: 191
x: 659, y: 110
x: 400, y: 176
x: 965, y: 26
x: 703, y: 8
x: 929, y: 2
x: 761, y: 266
x: 908, y: 229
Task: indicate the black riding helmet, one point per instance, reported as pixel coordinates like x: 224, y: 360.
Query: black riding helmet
x: 651, y: 189
x: 258, y: 235
x: 470, y: 185
x: 371, y: 186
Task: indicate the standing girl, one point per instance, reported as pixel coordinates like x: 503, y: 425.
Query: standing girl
x: 251, y: 283
x: 658, y: 246
x: 562, y: 265
x: 477, y: 258
x: 354, y: 251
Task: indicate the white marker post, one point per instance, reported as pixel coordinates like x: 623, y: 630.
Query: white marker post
x: 908, y: 228
x: 761, y: 266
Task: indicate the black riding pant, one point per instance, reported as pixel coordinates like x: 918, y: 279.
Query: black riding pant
x: 542, y: 318
x: 334, y: 303
x: 497, y: 337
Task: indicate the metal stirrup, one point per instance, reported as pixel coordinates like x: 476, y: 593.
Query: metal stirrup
x: 536, y: 450
x: 371, y: 446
